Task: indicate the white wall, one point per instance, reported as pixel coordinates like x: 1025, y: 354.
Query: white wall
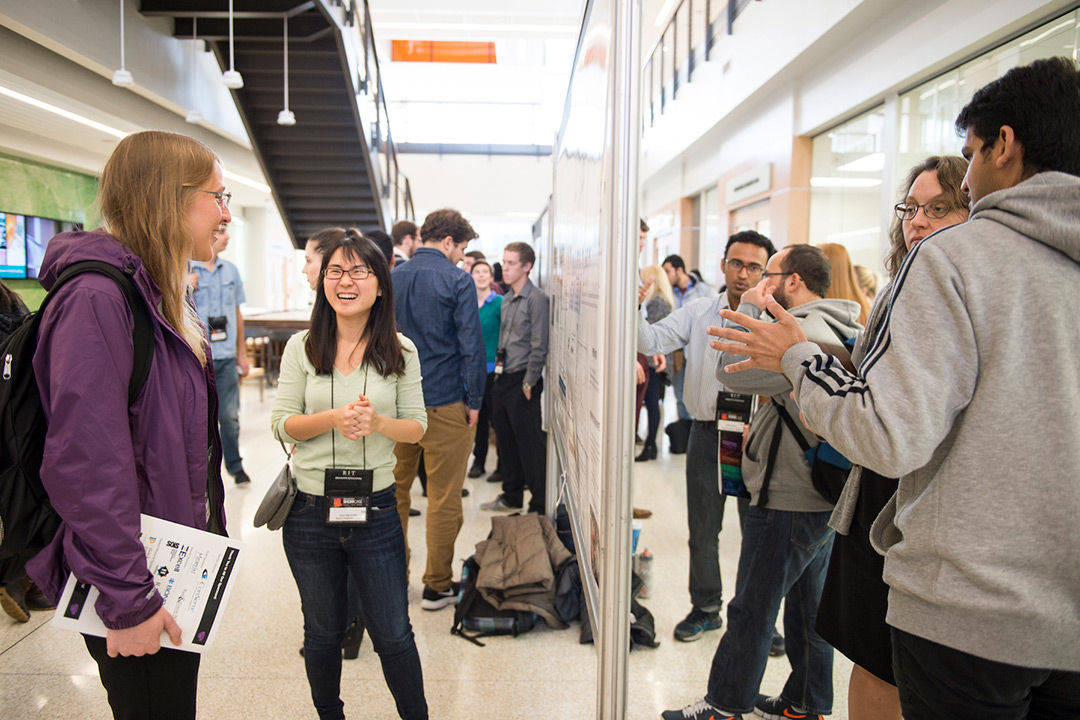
x: 501, y: 196
x: 87, y: 32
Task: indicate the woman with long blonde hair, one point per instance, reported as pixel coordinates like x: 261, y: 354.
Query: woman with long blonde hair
x: 845, y: 283
x: 658, y: 303
x: 106, y: 460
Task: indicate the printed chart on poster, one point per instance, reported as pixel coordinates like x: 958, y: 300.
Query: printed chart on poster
x: 193, y: 571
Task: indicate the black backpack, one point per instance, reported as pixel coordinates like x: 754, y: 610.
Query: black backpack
x: 828, y: 468
x: 27, y: 519
x: 476, y: 615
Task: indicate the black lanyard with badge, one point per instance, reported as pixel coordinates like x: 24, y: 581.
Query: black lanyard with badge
x: 347, y: 490
x: 733, y: 413
x: 500, y: 353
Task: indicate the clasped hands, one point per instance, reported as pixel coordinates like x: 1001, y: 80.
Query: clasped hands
x: 357, y: 419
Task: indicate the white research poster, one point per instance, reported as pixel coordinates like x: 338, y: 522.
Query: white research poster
x: 192, y: 569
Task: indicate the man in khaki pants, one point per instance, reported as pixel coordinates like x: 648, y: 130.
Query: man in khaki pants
x: 435, y: 303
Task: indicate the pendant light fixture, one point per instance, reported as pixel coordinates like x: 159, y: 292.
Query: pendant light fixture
x: 286, y: 116
x: 122, y: 78
x: 232, y: 79
x: 194, y: 116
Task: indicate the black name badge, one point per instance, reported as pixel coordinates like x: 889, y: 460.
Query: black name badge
x: 348, y: 495
x: 217, y: 326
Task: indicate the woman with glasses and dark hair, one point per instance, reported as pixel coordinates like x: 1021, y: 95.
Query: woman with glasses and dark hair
x: 854, y: 601
x: 348, y: 391
x: 106, y: 461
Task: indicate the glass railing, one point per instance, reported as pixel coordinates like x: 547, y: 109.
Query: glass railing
x: 688, y: 39
x: 394, y: 192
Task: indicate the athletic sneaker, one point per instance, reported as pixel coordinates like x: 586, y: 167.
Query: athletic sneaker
x: 438, y: 599
x: 499, y: 504
x: 776, y: 708
x: 696, y: 624
x: 700, y: 710
x: 777, y: 647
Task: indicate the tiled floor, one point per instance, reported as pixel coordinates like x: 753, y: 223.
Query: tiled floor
x: 255, y: 671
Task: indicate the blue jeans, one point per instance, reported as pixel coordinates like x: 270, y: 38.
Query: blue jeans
x: 705, y: 515
x: 321, y: 558
x: 227, y: 377
x: 784, y: 557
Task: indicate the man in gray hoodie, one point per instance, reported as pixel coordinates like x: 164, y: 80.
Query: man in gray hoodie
x: 969, y: 395
x: 786, y: 537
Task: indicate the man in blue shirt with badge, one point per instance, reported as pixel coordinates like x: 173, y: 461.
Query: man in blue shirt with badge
x: 219, y: 292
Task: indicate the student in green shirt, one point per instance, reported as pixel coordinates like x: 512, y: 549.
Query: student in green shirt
x: 348, y: 391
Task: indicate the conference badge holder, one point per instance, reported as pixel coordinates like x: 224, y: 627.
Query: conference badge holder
x: 348, y: 495
x: 733, y: 413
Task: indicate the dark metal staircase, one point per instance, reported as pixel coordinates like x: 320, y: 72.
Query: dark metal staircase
x: 333, y: 167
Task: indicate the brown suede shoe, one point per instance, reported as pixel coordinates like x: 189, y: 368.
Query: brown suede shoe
x: 642, y: 513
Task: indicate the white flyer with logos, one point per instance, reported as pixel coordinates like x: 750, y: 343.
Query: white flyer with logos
x: 193, y: 570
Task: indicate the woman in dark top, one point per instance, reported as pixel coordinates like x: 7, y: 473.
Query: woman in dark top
x: 854, y: 600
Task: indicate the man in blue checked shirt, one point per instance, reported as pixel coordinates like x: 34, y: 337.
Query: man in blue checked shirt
x: 219, y: 292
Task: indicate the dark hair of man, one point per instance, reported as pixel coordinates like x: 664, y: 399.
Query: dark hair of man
x: 950, y: 171
x: 751, y: 237
x: 644, y: 226
x: 402, y: 230
x: 675, y: 261
x: 325, y: 238
x: 475, y: 255
x: 812, y: 265
x: 441, y: 223
x: 383, y: 242
x: 1041, y: 103
x: 384, y: 352
x: 524, y: 251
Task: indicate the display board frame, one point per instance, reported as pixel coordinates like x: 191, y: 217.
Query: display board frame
x: 592, y: 283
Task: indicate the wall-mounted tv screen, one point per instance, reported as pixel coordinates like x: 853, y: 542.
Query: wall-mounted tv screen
x: 23, y: 239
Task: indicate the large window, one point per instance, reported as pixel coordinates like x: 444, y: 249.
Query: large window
x: 927, y: 114
x: 845, y: 186
x: 850, y: 197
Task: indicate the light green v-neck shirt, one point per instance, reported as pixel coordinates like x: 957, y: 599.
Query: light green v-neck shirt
x: 301, y: 391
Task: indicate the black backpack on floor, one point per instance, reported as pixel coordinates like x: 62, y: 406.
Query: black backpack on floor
x: 476, y: 615
x: 27, y: 519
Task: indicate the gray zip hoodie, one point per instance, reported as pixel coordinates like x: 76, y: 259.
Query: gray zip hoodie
x: 970, y: 395
x: 790, y: 487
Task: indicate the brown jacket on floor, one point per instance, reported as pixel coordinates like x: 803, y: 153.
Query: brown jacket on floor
x: 518, y: 564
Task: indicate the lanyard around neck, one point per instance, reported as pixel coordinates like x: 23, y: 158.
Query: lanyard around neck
x: 333, y: 445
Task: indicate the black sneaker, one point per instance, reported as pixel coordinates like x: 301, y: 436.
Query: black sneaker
x: 776, y: 708
x: 476, y: 471
x: 241, y: 477
x: 495, y: 477
x: 777, y: 647
x: 413, y: 512
x: 696, y: 624
x: 438, y: 599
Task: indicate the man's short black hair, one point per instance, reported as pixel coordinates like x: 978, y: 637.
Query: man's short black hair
x: 812, y: 265
x: 402, y: 230
x: 751, y: 237
x: 384, y: 242
x: 676, y: 262
x: 1041, y: 103
x: 475, y: 255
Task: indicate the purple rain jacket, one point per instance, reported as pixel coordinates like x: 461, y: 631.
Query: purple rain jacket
x: 104, y: 465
